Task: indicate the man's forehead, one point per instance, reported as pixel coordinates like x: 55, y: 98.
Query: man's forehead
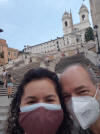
x: 75, y: 76
x: 75, y: 69
x: 74, y: 79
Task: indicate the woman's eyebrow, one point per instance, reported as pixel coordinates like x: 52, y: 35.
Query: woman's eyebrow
x: 50, y: 96
x: 30, y: 97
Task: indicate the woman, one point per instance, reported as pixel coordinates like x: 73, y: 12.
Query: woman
x: 38, y: 106
x: 9, y: 85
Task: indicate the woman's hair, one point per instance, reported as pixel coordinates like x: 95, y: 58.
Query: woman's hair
x: 13, y: 126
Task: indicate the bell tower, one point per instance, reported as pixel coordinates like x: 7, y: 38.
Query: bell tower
x: 67, y: 23
x: 84, y: 14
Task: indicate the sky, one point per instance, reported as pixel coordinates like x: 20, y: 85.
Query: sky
x: 31, y: 22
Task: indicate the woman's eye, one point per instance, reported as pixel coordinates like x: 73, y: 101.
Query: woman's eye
x: 31, y: 102
x: 50, y: 100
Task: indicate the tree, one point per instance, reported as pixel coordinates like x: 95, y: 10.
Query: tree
x: 89, y: 35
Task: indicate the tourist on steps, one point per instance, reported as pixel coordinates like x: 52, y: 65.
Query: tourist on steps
x: 9, y: 85
x: 4, y: 78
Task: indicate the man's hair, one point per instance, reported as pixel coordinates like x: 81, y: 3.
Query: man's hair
x: 90, y: 71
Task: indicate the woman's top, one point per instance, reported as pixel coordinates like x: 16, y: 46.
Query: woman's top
x: 9, y: 80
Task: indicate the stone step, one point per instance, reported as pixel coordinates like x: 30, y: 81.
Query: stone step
x: 2, y: 132
x: 4, y: 106
x: 3, y: 91
x: 3, y: 117
x: 3, y: 121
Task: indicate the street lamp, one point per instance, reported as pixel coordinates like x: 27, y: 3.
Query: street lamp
x: 77, y: 37
x: 96, y: 35
x: 25, y: 48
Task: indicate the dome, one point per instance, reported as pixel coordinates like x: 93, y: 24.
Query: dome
x: 83, y: 8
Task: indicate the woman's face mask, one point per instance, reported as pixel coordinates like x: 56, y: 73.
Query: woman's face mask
x: 84, y: 109
x: 41, y: 118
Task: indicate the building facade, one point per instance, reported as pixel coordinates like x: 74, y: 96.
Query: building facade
x: 73, y: 35
x: 6, y: 53
x: 95, y: 13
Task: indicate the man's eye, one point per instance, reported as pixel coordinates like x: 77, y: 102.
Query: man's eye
x: 83, y: 92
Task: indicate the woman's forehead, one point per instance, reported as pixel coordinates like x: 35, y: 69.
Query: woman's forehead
x: 43, y: 86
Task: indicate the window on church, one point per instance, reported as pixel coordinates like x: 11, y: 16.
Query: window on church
x: 83, y: 17
x: 66, y: 24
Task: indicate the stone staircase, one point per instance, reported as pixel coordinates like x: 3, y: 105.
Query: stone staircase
x: 80, y: 58
x: 17, y: 74
x: 3, y: 118
x: 4, y: 106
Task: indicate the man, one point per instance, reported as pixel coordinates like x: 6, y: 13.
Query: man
x: 82, y: 97
x: 4, y: 77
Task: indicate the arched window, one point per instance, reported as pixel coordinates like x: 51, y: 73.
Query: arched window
x: 83, y: 17
x: 66, y: 24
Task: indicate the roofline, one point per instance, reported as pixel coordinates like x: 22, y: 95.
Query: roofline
x: 45, y: 42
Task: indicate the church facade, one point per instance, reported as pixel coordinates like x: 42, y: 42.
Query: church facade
x: 73, y: 35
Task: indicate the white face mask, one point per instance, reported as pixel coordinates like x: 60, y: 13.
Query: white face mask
x: 84, y: 109
x: 37, y: 105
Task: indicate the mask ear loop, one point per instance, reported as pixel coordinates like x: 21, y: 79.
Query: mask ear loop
x: 96, y: 93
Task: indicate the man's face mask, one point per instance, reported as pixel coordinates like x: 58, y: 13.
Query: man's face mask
x: 84, y: 109
x: 41, y: 118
